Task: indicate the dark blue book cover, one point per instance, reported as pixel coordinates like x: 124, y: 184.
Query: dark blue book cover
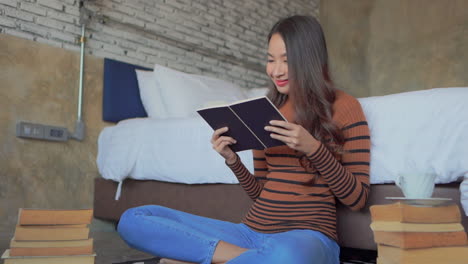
x: 246, y: 121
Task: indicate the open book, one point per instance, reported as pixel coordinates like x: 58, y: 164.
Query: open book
x: 246, y: 121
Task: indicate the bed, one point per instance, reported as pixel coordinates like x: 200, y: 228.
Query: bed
x: 150, y: 167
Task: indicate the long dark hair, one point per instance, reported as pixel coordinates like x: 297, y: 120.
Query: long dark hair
x: 310, y: 86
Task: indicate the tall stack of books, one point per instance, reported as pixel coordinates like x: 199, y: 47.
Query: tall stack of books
x: 407, y: 234
x: 51, y: 237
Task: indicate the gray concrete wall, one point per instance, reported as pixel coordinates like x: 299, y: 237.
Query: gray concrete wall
x: 380, y: 47
x: 39, y: 83
x: 220, y: 38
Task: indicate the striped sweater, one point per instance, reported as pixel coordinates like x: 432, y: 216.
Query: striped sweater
x: 288, y: 195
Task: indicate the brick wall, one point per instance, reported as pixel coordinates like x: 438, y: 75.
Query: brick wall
x: 221, y: 38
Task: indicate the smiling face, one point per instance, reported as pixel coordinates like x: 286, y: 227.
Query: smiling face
x: 277, y: 65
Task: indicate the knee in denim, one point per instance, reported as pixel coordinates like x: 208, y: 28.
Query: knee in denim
x: 280, y: 252
x: 125, y: 221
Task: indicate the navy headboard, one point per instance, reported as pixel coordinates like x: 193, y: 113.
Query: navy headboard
x: 121, y: 96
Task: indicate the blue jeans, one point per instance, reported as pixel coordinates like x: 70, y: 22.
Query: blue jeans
x: 173, y: 234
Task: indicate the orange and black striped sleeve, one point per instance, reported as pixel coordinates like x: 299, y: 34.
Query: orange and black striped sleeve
x: 348, y: 179
x: 252, y: 183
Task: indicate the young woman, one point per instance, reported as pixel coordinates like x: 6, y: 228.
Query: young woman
x: 295, y: 187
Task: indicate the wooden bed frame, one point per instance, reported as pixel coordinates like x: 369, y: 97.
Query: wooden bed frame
x: 229, y: 202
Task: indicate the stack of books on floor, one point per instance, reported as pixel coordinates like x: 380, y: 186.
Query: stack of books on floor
x: 51, y: 237
x: 407, y: 234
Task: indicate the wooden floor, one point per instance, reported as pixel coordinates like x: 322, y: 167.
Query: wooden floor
x: 110, y: 248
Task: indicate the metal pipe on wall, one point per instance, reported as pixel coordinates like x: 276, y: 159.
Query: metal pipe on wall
x: 80, y: 91
x: 79, y: 132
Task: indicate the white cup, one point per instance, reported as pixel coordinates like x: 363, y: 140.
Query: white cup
x: 416, y: 185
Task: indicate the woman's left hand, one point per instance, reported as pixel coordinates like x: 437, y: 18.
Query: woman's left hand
x: 293, y: 135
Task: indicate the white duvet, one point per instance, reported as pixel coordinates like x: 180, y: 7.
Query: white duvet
x: 171, y: 150
x: 420, y: 131
x: 423, y: 131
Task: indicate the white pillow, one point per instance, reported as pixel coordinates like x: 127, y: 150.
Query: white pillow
x: 184, y: 93
x: 256, y: 92
x: 421, y: 131
x: 150, y: 94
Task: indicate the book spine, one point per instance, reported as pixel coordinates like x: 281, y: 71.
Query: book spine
x: 54, y: 217
x: 391, y: 226
x: 78, y: 259
x: 412, y: 214
x: 54, y: 251
x: 36, y: 234
x: 408, y: 240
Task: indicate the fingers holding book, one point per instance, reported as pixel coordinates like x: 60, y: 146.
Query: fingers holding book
x: 293, y: 135
x: 221, y: 143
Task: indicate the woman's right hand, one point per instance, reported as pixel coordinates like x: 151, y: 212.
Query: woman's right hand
x: 221, y: 145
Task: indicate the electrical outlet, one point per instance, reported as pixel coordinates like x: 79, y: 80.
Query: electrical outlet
x: 29, y: 130
x: 40, y: 131
x: 55, y: 133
